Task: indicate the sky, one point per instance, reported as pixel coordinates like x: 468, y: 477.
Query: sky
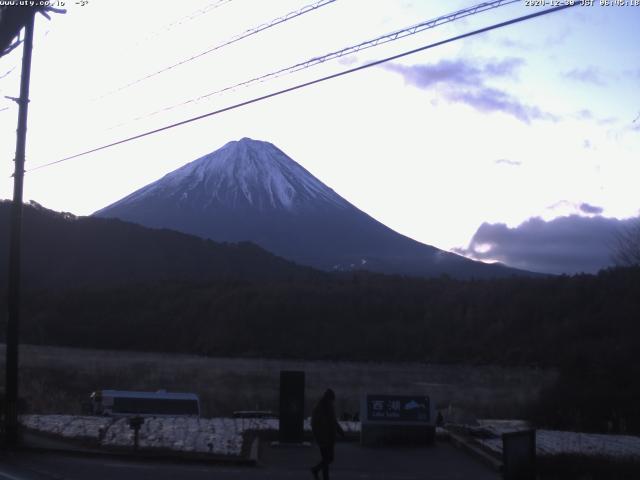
x: 519, y: 145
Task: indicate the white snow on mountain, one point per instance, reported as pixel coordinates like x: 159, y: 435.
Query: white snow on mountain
x: 246, y: 171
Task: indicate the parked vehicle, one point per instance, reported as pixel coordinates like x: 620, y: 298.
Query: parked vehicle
x: 148, y: 404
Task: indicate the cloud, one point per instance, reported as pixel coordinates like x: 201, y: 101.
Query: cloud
x: 590, y: 74
x: 455, y: 72
x: 348, y: 60
x: 506, y: 161
x: 561, y: 204
x: 607, y: 120
x: 566, y: 208
x: 584, y: 114
x: 462, y: 81
x: 622, y: 131
x: 489, y: 100
x: 517, y: 44
x: 570, y: 244
x: 593, y: 209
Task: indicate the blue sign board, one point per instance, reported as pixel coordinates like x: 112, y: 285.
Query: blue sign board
x: 398, y: 408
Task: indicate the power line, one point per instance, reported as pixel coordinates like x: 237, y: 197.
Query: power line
x: 201, y: 11
x: 247, y: 33
x: 8, y: 72
x: 388, y: 37
x: 197, y: 13
x: 313, y: 82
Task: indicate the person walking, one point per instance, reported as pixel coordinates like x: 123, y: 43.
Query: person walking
x: 324, y: 426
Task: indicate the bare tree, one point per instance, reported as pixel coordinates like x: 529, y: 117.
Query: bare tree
x: 626, y: 248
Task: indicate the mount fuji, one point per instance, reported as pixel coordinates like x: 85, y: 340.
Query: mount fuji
x: 250, y: 190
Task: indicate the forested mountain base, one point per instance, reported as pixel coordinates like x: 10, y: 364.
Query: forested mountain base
x: 585, y: 325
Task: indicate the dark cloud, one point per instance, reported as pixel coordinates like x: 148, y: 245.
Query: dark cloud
x: 593, y: 209
x: 590, y: 74
x: 506, y: 161
x: 570, y: 244
x: 462, y: 81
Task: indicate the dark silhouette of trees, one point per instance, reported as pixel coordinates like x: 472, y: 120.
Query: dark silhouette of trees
x: 626, y: 248
x: 124, y: 287
x: 586, y: 326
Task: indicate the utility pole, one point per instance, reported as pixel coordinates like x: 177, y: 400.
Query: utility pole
x: 13, y: 324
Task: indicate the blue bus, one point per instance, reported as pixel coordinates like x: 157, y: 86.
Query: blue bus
x: 146, y: 404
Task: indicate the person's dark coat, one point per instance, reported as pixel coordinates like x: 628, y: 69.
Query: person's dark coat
x: 324, y: 424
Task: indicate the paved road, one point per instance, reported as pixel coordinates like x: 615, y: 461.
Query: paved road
x: 353, y: 462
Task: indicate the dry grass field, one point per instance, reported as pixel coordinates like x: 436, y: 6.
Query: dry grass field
x: 59, y: 380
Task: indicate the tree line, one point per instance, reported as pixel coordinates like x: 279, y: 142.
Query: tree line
x: 585, y: 325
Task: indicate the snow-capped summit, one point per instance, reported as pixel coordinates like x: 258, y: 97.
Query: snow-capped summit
x: 242, y: 174
x: 250, y: 190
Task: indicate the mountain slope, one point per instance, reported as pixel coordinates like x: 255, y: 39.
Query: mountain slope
x: 64, y: 251
x: 251, y: 191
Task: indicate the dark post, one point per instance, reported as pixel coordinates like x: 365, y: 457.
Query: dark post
x: 135, y: 423
x: 13, y: 324
x: 519, y: 455
x: 291, y: 407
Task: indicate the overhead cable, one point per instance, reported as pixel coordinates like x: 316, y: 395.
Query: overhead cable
x: 312, y: 82
x: 236, y: 38
x: 192, y: 16
x: 388, y: 37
